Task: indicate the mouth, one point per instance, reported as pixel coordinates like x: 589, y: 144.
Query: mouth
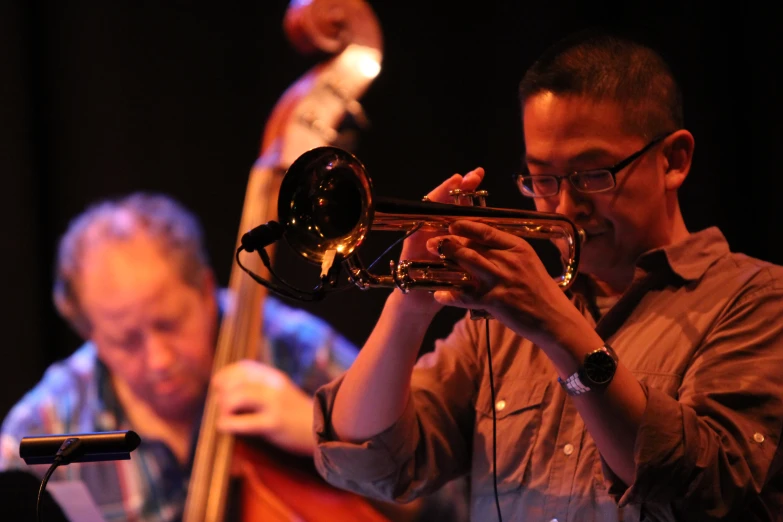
x: 167, y: 386
x: 589, y: 234
x: 592, y: 235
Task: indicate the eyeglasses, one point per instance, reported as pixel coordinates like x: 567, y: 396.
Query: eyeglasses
x: 586, y: 181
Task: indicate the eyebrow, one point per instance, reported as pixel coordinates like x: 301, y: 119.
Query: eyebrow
x: 120, y: 337
x: 592, y: 154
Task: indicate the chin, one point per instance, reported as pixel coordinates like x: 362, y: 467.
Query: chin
x: 598, y: 254
x: 602, y: 269
x: 176, y: 410
x: 177, y: 405
x: 589, y: 263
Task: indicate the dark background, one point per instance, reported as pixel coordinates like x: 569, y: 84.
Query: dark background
x: 98, y: 99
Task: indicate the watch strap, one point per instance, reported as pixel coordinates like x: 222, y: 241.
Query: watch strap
x: 575, y: 384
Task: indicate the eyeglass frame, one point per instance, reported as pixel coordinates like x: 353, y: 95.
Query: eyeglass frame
x: 613, y: 171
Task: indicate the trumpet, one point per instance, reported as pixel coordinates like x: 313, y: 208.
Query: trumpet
x: 327, y: 206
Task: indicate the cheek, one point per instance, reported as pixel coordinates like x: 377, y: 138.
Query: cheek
x: 636, y: 204
x: 626, y: 215
x: 545, y: 205
x: 196, y: 349
x: 195, y: 340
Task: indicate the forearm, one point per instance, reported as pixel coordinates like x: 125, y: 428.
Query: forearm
x: 376, y: 388
x: 612, y: 416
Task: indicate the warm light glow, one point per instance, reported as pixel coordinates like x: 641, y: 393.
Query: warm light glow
x: 364, y: 60
x: 368, y: 66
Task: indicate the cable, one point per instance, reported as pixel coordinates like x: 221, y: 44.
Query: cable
x: 67, y: 448
x: 268, y: 264
x: 41, y: 489
x: 403, y: 238
x: 303, y: 295
x: 494, y: 426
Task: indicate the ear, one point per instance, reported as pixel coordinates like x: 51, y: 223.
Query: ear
x: 68, y: 307
x: 678, y: 155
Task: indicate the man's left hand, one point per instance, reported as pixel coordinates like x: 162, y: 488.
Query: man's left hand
x: 511, y: 283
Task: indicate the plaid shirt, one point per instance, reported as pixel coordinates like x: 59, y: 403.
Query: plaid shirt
x: 76, y: 396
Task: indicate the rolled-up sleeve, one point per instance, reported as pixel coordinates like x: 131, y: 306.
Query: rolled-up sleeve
x: 708, y: 451
x: 426, y: 447
x: 369, y: 467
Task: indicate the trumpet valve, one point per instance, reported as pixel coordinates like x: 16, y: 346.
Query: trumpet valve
x: 428, y: 275
x: 464, y: 197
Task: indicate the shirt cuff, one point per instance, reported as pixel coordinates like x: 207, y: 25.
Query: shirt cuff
x: 658, y: 454
x: 371, y: 467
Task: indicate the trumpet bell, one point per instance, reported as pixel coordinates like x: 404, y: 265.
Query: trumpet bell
x: 325, y: 203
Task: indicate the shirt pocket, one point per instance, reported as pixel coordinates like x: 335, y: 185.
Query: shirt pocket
x: 517, y: 408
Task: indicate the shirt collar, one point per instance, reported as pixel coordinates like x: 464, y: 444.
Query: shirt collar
x: 690, y: 258
x: 687, y: 260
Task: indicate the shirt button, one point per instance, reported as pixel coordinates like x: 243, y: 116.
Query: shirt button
x: 758, y: 437
x: 500, y: 405
x: 568, y: 449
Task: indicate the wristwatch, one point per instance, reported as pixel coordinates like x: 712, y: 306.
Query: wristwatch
x: 595, y: 374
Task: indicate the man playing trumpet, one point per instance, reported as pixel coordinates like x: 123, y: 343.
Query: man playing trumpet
x: 649, y: 390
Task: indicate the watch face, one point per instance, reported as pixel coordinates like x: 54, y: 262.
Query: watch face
x: 599, y: 367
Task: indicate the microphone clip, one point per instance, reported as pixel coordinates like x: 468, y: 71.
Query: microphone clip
x: 261, y: 236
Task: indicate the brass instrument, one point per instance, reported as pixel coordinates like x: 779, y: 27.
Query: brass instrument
x: 326, y: 207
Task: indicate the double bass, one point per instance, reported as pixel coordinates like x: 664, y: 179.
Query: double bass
x: 307, y: 115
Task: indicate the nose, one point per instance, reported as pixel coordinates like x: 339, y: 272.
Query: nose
x: 573, y: 204
x: 161, y: 356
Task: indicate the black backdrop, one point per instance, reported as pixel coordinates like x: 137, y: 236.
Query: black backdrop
x: 98, y: 99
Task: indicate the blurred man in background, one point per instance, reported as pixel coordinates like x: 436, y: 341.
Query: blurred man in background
x: 134, y: 281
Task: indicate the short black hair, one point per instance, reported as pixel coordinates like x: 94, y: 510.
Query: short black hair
x: 604, y: 66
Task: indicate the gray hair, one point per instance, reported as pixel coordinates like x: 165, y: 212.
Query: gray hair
x: 175, y: 228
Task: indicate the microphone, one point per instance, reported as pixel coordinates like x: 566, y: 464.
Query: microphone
x: 91, y: 447
x: 262, y: 236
